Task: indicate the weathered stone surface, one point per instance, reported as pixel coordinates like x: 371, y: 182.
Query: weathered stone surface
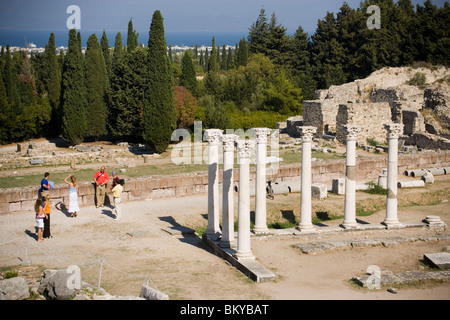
x: 55, y: 285
x: 441, y: 259
x: 338, y: 186
x: 319, y: 190
x: 14, y: 289
x: 428, y: 178
x: 152, y: 294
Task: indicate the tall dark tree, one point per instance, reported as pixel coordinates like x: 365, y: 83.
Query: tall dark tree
x: 96, y: 86
x: 187, y: 78
x: 73, y: 92
x: 277, y: 42
x: 298, y: 64
x: 126, y: 95
x: 258, y: 34
x: 224, y: 59
x: 159, y: 115
x: 327, y: 53
x: 52, y: 84
x: 242, y: 55
x: 132, y: 38
x: 10, y: 78
x: 104, y: 44
x: 212, y: 63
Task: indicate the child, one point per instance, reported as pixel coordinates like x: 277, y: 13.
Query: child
x: 46, y: 232
x: 117, y: 193
x: 40, y: 215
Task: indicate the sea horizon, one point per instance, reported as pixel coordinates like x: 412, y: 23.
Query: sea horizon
x: 23, y: 38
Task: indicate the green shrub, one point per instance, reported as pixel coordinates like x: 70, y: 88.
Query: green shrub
x: 419, y: 79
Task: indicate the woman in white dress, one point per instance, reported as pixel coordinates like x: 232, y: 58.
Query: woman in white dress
x: 73, y: 195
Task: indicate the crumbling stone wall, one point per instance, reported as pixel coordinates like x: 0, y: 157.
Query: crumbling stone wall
x: 320, y: 114
x: 369, y: 116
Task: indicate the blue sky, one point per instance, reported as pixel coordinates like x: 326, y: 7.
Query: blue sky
x: 179, y: 15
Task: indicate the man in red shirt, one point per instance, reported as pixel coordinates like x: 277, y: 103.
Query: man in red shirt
x: 101, y: 179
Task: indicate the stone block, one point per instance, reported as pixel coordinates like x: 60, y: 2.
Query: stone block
x: 441, y: 259
x: 152, y: 294
x: 319, y: 190
x: 36, y: 161
x: 382, y: 180
x: 14, y: 289
x: 153, y: 184
x: 15, y: 206
x: 338, y: 186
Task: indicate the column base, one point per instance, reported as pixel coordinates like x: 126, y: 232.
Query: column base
x: 260, y: 230
x: 349, y: 225
x: 392, y: 224
x: 306, y: 228
x: 244, y: 255
x: 213, y: 235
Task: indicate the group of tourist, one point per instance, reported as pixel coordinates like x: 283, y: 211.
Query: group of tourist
x: 101, y: 179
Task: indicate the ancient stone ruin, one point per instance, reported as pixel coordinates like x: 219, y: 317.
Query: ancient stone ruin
x: 387, y: 95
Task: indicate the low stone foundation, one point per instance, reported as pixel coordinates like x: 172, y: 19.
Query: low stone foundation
x: 157, y: 187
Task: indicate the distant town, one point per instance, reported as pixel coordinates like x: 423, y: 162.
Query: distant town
x: 33, y: 49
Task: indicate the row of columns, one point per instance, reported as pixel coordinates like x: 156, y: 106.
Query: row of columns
x: 244, y: 150
x: 216, y: 137
x: 391, y: 220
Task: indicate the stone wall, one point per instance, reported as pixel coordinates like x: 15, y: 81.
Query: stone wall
x: 158, y: 187
x: 320, y: 114
x: 369, y: 116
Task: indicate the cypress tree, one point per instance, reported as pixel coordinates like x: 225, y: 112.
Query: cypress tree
x: 73, y: 92
x: 126, y: 94
x: 212, y: 64
x: 132, y: 39
x: 52, y: 83
x: 187, y: 78
x: 242, y: 56
x: 159, y: 115
x: 96, y: 85
x: 230, y: 59
x: 118, y: 49
x: 10, y: 78
x: 104, y: 44
x: 224, y: 62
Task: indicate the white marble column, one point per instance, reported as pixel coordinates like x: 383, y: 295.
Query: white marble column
x: 393, y: 132
x: 350, y: 178
x: 244, y: 149
x: 213, y: 136
x: 228, y: 240
x: 307, y: 134
x: 260, y: 188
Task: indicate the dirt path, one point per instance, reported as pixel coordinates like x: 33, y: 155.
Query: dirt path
x: 135, y: 248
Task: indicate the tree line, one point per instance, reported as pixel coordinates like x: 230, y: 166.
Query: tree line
x: 142, y: 93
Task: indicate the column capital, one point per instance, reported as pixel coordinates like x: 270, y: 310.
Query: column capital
x: 394, y: 130
x: 213, y: 136
x: 261, y: 134
x: 307, y: 133
x: 228, y: 141
x: 351, y: 131
x: 245, y: 147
